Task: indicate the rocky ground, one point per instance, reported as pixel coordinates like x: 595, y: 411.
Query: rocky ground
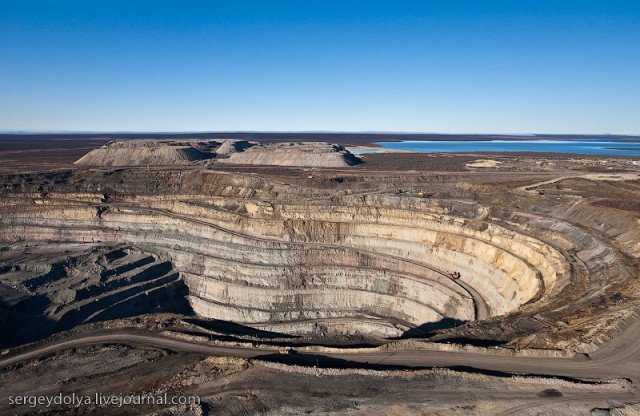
x: 234, y: 386
x: 533, y: 253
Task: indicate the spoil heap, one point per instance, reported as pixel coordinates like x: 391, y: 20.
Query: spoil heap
x: 148, y: 153
x: 311, y: 154
x: 172, y: 153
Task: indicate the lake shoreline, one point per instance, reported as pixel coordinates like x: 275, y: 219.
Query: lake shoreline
x: 571, y: 147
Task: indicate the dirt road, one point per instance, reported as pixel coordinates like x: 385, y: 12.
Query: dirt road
x: 622, y: 361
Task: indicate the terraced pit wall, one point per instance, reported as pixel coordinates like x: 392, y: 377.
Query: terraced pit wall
x: 372, y: 264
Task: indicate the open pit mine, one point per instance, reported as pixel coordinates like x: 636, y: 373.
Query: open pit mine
x: 305, y: 262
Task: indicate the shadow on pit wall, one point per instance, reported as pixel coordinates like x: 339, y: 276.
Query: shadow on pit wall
x: 429, y: 329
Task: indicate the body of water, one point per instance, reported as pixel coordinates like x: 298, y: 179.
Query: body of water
x: 583, y: 147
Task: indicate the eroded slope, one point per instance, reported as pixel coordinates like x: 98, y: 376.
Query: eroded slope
x: 350, y: 255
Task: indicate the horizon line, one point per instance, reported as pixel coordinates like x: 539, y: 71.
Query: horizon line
x: 377, y: 132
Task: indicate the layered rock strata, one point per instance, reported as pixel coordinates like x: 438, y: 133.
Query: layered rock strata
x: 84, y: 283
x: 257, y: 262
x: 334, y: 255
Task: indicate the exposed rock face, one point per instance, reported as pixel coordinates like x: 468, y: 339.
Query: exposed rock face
x: 257, y: 262
x: 304, y: 255
x: 318, y: 154
x: 87, y: 284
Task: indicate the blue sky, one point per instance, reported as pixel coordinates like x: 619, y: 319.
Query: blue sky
x: 413, y: 66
